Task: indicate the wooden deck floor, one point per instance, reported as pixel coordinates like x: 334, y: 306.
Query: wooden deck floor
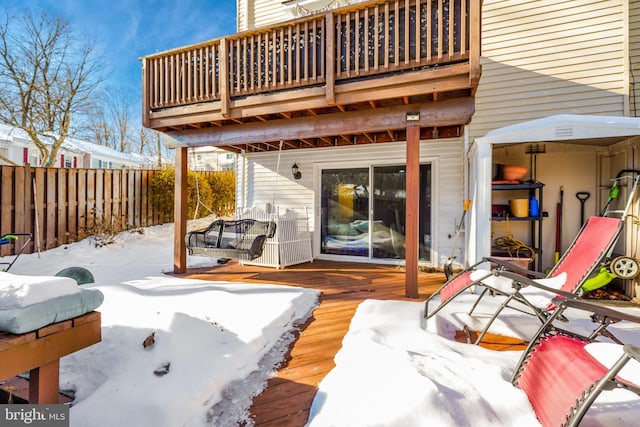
x: 287, y: 399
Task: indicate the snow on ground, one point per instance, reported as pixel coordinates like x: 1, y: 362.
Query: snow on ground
x: 216, y: 344
x: 393, y: 370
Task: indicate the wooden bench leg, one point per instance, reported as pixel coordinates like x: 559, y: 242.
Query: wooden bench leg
x: 43, y: 383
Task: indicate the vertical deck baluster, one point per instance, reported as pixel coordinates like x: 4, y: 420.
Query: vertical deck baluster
x: 198, y: 92
x: 452, y: 36
x: 214, y: 69
x: 183, y: 77
x: 313, y: 50
x: 259, y: 56
x: 194, y: 74
x: 206, y: 73
x: 173, y: 76
x: 429, y: 30
x: 367, y: 42
x: 253, y: 59
x: 356, y: 49
x: 376, y: 37
x: 463, y: 27
x: 192, y: 67
x: 274, y: 62
x: 387, y: 42
x: 324, y: 29
x: 418, y: 35
x: 339, y: 54
x: 440, y: 30
x: 237, y: 72
x: 168, y: 79
x: 303, y: 46
x: 244, y: 84
x: 163, y: 81
x: 347, y: 34
x: 179, y: 77
x: 407, y: 32
x: 290, y: 47
x: 189, y: 69
x: 155, y: 83
x: 282, y: 57
x: 231, y: 69
x: 396, y: 33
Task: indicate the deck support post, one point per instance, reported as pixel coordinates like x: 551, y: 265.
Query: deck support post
x: 180, y: 212
x: 412, y: 211
x: 43, y: 383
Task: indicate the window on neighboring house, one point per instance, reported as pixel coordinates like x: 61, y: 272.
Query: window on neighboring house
x: 68, y: 162
x: 33, y: 160
x: 99, y: 163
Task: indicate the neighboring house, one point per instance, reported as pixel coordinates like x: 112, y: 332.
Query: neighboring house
x: 540, y: 59
x: 16, y: 145
x: 212, y: 159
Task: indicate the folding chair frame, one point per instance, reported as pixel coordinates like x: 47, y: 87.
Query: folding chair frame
x: 7, y: 238
x: 550, y: 335
x: 522, y: 278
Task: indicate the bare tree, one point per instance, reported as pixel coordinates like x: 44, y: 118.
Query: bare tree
x: 46, y: 77
x: 151, y: 144
x: 99, y: 129
x: 110, y: 122
x: 121, y: 111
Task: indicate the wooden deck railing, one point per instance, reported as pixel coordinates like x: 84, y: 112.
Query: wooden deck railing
x: 363, y: 40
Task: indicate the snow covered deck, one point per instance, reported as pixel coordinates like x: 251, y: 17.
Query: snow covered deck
x: 288, y: 396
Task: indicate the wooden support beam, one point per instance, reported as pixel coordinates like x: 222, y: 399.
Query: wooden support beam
x: 412, y: 211
x: 449, y: 112
x: 180, y: 212
x: 41, y: 383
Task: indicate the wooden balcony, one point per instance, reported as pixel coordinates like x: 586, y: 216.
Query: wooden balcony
x: 347, y: 76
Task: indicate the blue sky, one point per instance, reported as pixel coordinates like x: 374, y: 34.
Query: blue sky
x: 128, y: 29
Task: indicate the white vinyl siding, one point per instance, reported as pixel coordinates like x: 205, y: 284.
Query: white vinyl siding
x: 634, y: 57
x: 545, y: 57
x: 265, y: 187
x: 260, y: 13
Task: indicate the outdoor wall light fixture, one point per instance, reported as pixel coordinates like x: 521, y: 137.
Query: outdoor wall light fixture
x: 295, y: 171
x: 413, y: 116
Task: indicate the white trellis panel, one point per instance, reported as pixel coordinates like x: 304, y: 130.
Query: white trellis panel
x: 292, y: 242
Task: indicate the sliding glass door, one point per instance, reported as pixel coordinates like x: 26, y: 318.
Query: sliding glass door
x: 345, y: 212
x: 358, y: 221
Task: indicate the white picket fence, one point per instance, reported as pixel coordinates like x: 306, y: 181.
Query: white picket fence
x: 291, y: 243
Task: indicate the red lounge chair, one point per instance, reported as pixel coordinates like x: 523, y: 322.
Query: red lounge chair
x: 593, y: 244
x: 560, y: 377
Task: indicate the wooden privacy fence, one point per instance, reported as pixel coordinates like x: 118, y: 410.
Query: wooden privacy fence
x: 61, y: 206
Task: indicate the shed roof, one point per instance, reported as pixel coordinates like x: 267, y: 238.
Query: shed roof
x: 583, y: 129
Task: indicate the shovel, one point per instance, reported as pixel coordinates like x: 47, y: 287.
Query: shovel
x: 582, y: 196
x: 448, y: 266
